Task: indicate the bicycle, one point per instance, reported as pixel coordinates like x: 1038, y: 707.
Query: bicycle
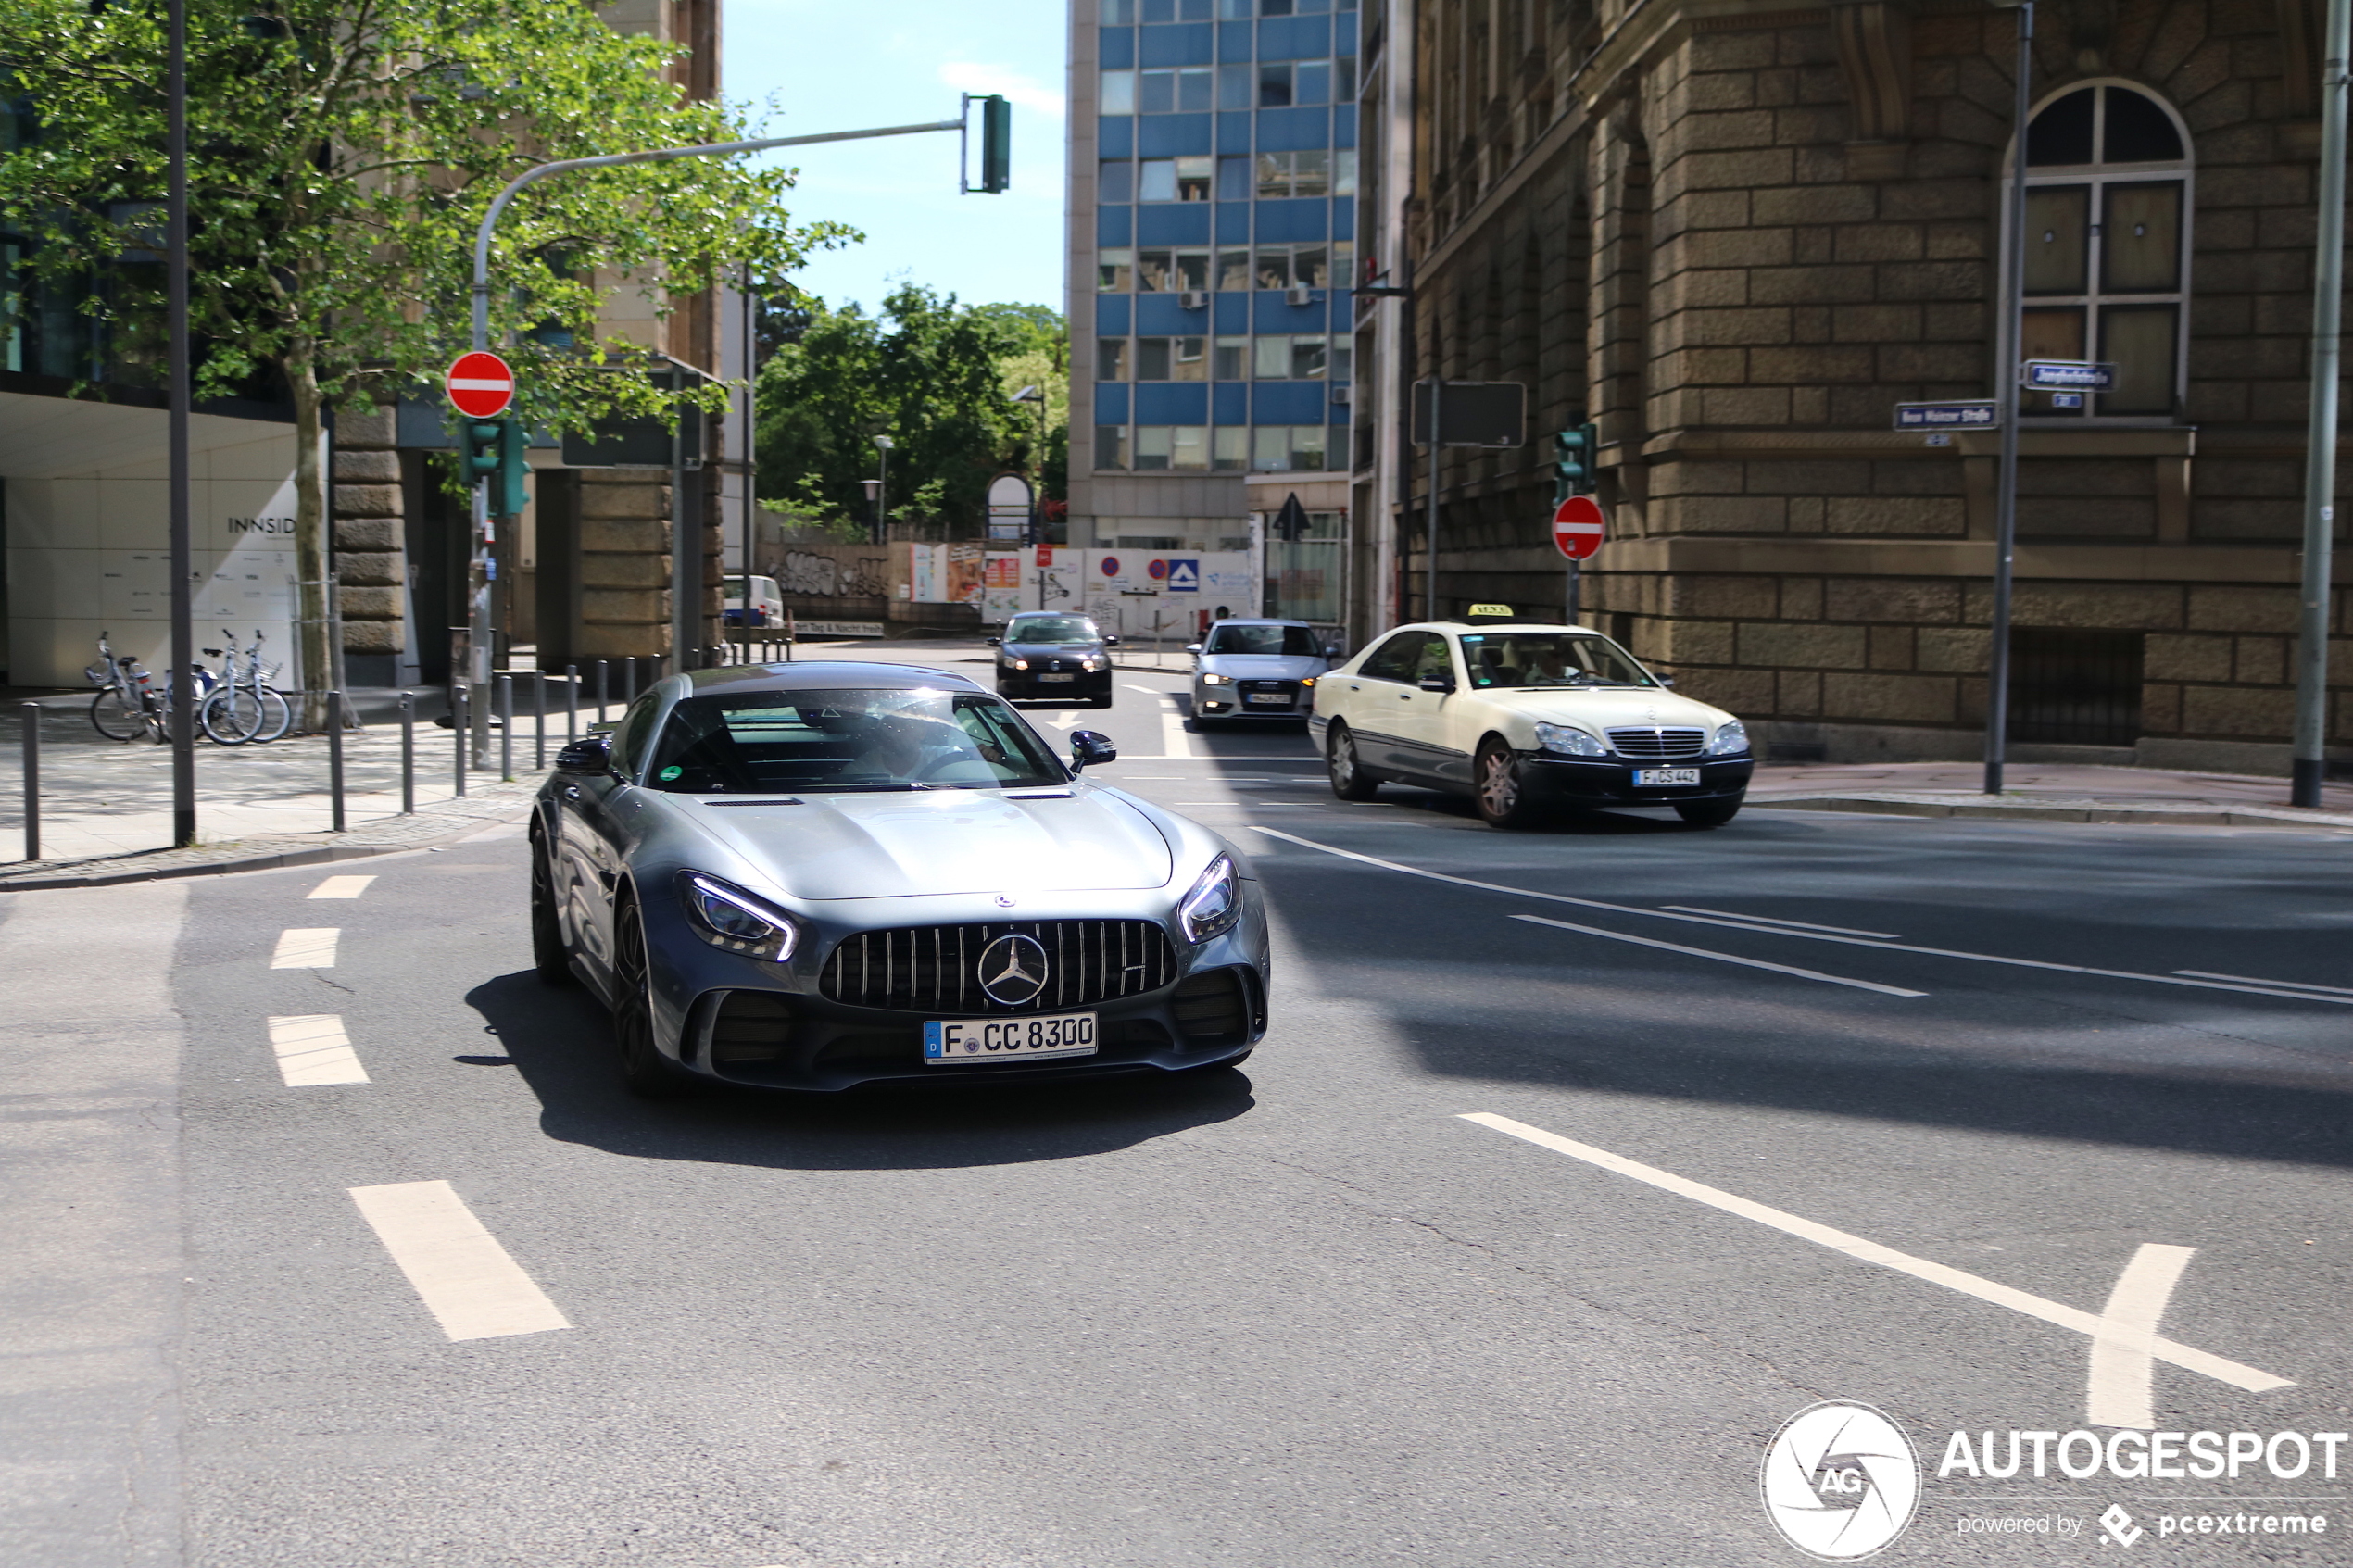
x: 244, y: 708
x: 125, y: 706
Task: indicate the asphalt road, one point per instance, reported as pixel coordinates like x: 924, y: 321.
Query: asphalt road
x: 1307, y: 1313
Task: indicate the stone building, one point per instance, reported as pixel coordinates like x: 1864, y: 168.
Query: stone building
x: 1734, y: 234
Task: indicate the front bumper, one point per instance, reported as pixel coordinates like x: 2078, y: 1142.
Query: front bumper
x: 1604, y: 780
x: 1028, y: 683
x: 1227, y: 702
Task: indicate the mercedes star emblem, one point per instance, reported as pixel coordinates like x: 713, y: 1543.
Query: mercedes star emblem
x: 1013, y: 970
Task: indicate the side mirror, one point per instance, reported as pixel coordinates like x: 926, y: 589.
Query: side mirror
x: 1088, y: 748
x: 1111, y: 642
x: 1331, y: 651
x: 1436, y: 683
x: 994, y: 642
x: 1667, y: 681
x: 592, y: 754
x: 1192, y: 647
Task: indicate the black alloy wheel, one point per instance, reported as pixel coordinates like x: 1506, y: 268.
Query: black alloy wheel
x: 1351, y: 779
x: 645, y: 1072
x: 550, y: 958
x: 1500, y: 787
x: 1710, y: 813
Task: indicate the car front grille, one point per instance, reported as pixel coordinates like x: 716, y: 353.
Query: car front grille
x: 1653, y: 743
x: 936, y: 969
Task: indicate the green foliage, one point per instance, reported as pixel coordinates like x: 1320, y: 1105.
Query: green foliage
x: 935, y: 376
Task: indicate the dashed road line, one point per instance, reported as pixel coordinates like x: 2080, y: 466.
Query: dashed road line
x: 1769, y: 919
x: 2238, y: 1376
x: 312, y: 1049
x: 1723, y: 957
x: 341, y: 887
x: 307, y: 947
x: 466, y: 1279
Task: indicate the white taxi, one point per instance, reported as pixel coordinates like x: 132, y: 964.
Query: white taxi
x: 1524, y: 719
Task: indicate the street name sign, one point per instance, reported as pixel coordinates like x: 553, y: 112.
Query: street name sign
x: 480, y: 385
x: 1578, y: 527
x: 2068, y: 375
x: 1968, y: 413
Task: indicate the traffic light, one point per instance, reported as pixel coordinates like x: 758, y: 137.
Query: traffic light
x: 996, y: 144
x: 496, y: 450
x: 1573, y: 461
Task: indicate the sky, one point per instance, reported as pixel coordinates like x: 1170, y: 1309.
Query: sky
x: 843, y: 64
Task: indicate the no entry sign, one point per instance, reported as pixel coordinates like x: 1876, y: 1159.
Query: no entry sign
x: 1577, y: 527
x: 480, y: 385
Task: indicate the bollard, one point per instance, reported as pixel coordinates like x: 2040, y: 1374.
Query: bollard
x: 539, y: 704
x: 31, y: 780
x: 334, y: 757
x: 506, y: 727
x: 458, y: 705
x: 571, y: 703
x: 602, y: 668
x: 628, y: 682
x: 408, y: 754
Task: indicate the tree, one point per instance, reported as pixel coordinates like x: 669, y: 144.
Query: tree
x: 341, y: 155
x: 935, y: 376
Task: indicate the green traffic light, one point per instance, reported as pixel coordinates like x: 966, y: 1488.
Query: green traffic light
x: 996, y: 144
x: 1574, y: 469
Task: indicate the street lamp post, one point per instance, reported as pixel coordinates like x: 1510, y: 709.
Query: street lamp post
x: 880, y: 492
x: 1997, y: 672
x: 2309, y: 763
x: 182, y: 681
x: 1036, y: 395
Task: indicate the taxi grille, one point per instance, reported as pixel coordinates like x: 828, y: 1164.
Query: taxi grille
x: 936, y: 968
x: 1653, y: 743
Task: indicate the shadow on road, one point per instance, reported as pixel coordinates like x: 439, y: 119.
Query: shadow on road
x: 561, y: 1040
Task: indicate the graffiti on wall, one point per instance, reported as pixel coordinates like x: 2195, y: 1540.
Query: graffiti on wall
x: 820, y: 573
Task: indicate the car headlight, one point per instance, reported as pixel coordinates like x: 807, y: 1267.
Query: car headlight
x: 1307, y: 679
x: 1214, y: 903
x: 735, y: 921
x: 1090, y: 663
x: 1569, y: 741
x: 1016, y: 664
x: 1214, y: 680
x: 1732, y: 737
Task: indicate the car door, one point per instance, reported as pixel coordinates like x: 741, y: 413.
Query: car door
x: 1379, y: 701
x: 1432, y: 717
x: 593, y: 835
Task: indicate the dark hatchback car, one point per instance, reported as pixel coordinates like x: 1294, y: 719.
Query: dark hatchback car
x: 1055, y: 654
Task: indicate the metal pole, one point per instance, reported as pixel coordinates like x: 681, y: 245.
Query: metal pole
x: 601, y: 672
x: 539, y: 715
x: 2310, y: 764
x: 408, y: 754
x: 1430, y: 590
x: 183, y: 630
x: 751, y: 417
x: 335, y: 756
x: 1572, y: 590
x: 628, y: 682
x: 571, y: 703
x: 506, y: 727
x: 31, y: 711
x: 458, y: 703
x: 1997, y: 672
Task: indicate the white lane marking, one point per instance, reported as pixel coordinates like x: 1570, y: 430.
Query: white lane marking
x: 341, y: 887
x: 2237, y: 1376
x: 1723, y: 957
x: 2258, y: 979
x: 2263, y: 989
x: 312, y: 1049
x: 1769, y: 919
x: 1173, y: 736
x: 306, y: 948
x: 467, y: 1280
x: 2123, y: 1379
x: 1148, y: 691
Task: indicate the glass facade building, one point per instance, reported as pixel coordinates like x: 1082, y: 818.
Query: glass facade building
x: 1213, y: 188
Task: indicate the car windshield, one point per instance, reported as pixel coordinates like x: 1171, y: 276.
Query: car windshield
x: 1053, y: 629
x: 1294, y: 642
x: 1547, y: 658
x: 759, y: 743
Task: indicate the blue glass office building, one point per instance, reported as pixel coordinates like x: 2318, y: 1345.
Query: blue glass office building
x: 1212, y: 203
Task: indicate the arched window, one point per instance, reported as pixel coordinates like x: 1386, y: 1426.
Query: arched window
x: 2107, y: 211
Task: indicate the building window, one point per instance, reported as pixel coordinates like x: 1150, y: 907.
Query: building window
x: 1300, y: 84
x: 1116, y: 183
x: 1114, y: 270
x: 1171, y: 446
x: 1119, y: 12
x: 1159, y: 91
x: 1233, y: 359
x: 1343, y: 171
x: 1282, y: 267
x: 1290, y: 357
x: 1287, y: 448
x: 1175, y: 180
x: 1117, y: 94
x: 1231, y: 451
x: 1233, y: 269
x: 1295, y: 175
x: 2075, y: 688
x: 1236, y: 84
x: 1172, y: 359
x: 2107, y: 211
x: 1168, y: 271
x: 1111, y: 358
x: 1233, y: 178
x: 1110, y: 446
x: 1273, y: 84
x: 1176, y: 11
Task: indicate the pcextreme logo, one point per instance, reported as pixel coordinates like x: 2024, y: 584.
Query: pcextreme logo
x: 1840, y: 1481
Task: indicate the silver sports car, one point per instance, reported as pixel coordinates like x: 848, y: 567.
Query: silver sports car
x: 810, y: 876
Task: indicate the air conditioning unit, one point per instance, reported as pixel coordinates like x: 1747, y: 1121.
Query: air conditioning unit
x: 1193, y: 299
x: 1300, y: 294
x: 1340, y: 392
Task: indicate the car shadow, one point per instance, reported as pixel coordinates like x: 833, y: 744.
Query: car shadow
x: 562, y: 1042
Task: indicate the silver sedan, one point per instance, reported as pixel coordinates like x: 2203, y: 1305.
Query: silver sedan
x: 1258, y: 670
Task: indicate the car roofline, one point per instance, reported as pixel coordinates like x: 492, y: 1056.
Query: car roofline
x: 831, y: 674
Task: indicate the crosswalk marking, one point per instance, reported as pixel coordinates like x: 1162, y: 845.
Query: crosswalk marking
x: 306, y: 948
x: 466, y: 1279
x: 341, y: 887
x: 313, y: 1049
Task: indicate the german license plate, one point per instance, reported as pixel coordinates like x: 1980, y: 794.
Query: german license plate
x: 1002, y: 1039
x: 1652, y: 778
x: 1270, y: 698
x: 1058, y: 677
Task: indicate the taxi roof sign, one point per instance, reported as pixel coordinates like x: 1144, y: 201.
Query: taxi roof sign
x: 1489, y: 612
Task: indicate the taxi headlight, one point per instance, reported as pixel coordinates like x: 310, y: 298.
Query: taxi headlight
x: 1732, y: 737
x: 1214, y: 903
x: 1568, y: 741
x: 734, y: 920
x: 1212, y: 678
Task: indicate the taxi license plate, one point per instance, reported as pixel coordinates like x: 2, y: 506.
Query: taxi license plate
x: 1058, y: 677
x: 1652, y: 778
x: 1000, y: 1039
x: 1270, y: 698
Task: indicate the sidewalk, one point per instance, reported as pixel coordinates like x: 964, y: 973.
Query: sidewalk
x: 2053, y: 792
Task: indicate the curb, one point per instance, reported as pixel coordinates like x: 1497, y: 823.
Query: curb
x: 267, y: 861
x: 2153, y: 816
